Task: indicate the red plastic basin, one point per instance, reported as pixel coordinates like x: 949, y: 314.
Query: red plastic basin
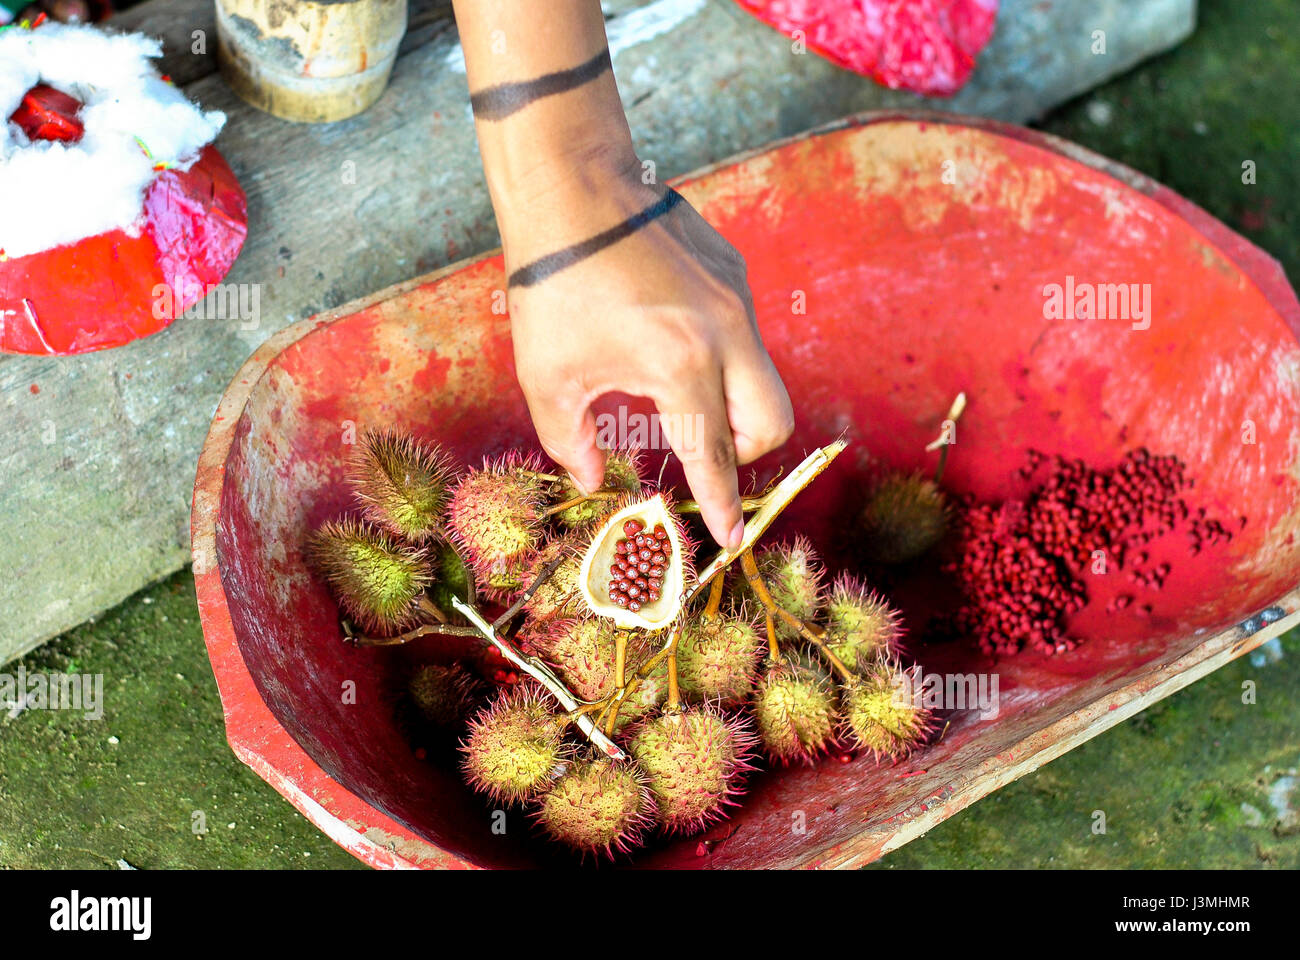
x: 916, y: 287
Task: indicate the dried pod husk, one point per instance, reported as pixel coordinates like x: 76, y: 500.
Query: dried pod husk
x: 795, y: 578
x: 795, y: 712
x: 495, y: 519
x: 402, y: 482
x: 695, y: 762
x: 583, y: 653
x: 622, y: 475
x: 443, y: 694
x: 861, y: 627
x: 903, y: 516
x: 558, y: 595
x: 883, y: 713
x: 634, y: 608
x: 717, y: 658
x: 599, y: 807
x: 375, y: 577
x: 515, y: 747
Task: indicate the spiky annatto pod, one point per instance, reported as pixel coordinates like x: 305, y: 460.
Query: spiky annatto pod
x: 451, y: 577
x: 903, y: 516
x: 622, y: 473
x: 583, y: 653
x: 515, y: 747
x: 443, y: 693
x: 860, y: 626
x: 882, y: 713
x: 494, y: 516
x: 794, y: 576
x: 558, y: 596
x: 794, y: 710
x: 598, y: 807
x: 637, y: 566
x: 401, y: 481
x: 695, y: 761
x: 376, y: 578
x: 717, y: 659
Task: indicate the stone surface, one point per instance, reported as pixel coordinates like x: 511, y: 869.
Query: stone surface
x: 98, y: 452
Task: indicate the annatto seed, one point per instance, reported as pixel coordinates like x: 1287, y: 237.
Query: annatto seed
x: 632, y: 527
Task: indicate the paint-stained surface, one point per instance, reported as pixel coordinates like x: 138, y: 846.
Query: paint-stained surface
x: 104, y: 291
x: 922, y: 249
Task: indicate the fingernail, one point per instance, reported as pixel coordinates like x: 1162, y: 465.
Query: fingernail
x: 582, y: 487
x: 736, y: 537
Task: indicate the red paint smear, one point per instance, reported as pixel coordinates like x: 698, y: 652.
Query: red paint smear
x: 928, y: 46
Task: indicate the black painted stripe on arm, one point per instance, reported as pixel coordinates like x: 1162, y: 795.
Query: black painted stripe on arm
x: 499, y: 102
x: 551, y: 264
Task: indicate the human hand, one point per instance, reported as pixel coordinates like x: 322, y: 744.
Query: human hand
x: 661, y: 309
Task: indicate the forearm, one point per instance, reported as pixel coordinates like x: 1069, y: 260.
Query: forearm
x: 550, y: 124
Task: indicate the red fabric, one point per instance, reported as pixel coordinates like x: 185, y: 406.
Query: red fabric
x: 928, y: 46
x: 103, y: 291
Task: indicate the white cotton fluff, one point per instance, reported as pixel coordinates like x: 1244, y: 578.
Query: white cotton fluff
x: 52, y: 194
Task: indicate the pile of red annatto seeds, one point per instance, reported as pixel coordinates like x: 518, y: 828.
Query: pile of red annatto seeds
x: 637, y: 573
x: 1019, y: 564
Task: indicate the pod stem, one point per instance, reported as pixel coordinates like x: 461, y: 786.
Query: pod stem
x: 750, y: 568
x: 943, y: 442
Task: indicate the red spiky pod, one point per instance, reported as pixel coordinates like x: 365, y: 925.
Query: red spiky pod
x: 795, y: 577
x: 558, y: 595
x: 495, y: 518
x: 696, y: 761
x: 582, y: 651
x: 861, y: 626
x: 717, y: 658
x: 883, y: 713
x: 599, y: 807
x: 515, y: 747
x: 795, y: 712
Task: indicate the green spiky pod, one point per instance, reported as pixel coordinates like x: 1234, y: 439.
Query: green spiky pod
x: 695, y: 762
x: 452, y: 577
x: 880, y: 713
x: 717, y: 659
x: 402, y: 482
x: 794, y: 576
x: 558, y: 596
x: 443, y: 694
x: 794, y: 711
x: 622, y: 474
x: 515, y: 747
x: 376, y: 578
x: 582, y: 651
x: 860, y: 626
x: 903, y: 516
x: 599, y: 807
x: 495, y: 519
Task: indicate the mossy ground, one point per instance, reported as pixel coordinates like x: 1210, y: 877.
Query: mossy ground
x: 1199, y: 780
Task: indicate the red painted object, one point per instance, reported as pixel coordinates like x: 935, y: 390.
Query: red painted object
x: 928, y: 46
x: 102, y: 291
x: 915, y: 289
